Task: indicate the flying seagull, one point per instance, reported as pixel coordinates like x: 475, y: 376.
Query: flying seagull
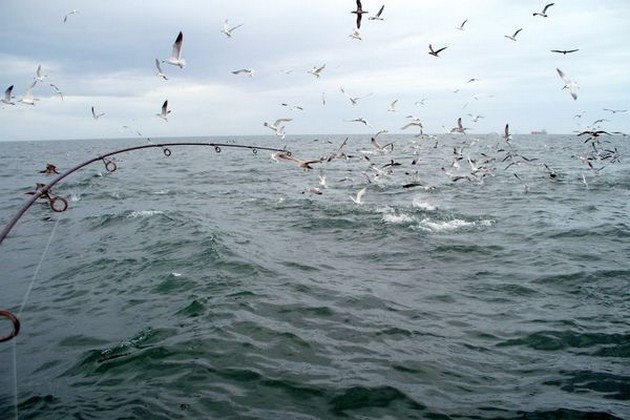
x: 165, y: 111
x: 378, y: 14
x: 513, y: 37
x: 315, y: 71
x: 568, y: 84
x: 70, y: 13
x: 39, y: 74
x: 544, y: 11
x: 95, y: 115
x: 176, y: 55
x: 160, y: 73
x: 354, y: 100
x: 506, y: 134
x: 57, y: 90
x: 28, y: 98
x: 304, y: 164
x: 565, y: 52
x: 359, y: 197
x: 278, y: 126
x: 614, y: 111
x: 7, y: 96
x: 460, y: 128
x: 248, y: 72
x: 50, y: 169
x: 435, y: 53
x: 392, y: 106
x: 227, y: 30
x: 359, y: 12
x: 461, y: 27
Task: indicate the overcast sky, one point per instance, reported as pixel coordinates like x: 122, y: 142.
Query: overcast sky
x: 103, y: 56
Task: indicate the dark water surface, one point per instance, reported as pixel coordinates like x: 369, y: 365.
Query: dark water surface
x: 208, y: 285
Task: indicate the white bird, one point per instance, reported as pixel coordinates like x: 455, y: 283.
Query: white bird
x: 71, y: 12
x: 378, y: 14
x: 227, y: 30
x: 28, y: 98
x: 355, y: 35
x: 57, y: 90
x: 165, y: 111
x: 460, y: 128
x: 361, y: 120
x: 568, y: 84
x: 322, y: 181
x: 392, y: 106
x: 315, y: 71
x: 248, y: 72
x: 544, y: 11
x: 354, y: 100
x: 7, y: 96
x: 176, y: 55
x: 160, y: 73
x: 39, y: 74
x: 278, y: 126
x: 513, y: 37
x: 359, y: 197
x: 506, y: 134
x: 461, y: 27
x: 95, y: 115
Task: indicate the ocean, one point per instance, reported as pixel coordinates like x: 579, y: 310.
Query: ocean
x: 477, y: 278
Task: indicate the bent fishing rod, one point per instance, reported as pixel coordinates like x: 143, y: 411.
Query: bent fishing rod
x: 60, y: 204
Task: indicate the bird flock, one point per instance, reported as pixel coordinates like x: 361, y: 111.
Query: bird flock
x: 479, y: 167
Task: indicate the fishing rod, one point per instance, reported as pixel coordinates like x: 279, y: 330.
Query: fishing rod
x: 60, y: 204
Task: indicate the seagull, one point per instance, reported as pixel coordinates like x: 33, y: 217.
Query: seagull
x: 28, y: 98
x: 315, y: 71
x: 614, y: 111
x: 292, y: 107
x: 165, y: 111
x: 359, y: 12
x: 227, y: 30
x: 248, y: 72
x: 392, y: 106
x: 461, y: 27
x: 565, y: 52
x: 313, y: 190
x: 435, y: 53
x: 359, y: 197
x: 7, y: 96
x: 378, y: 14
x: 506, y: 134
x: 513, y: 37
x: 57, y: 90
x: 71, y: 12
x: 95, y: 115
x: 278, y: 126
x: 176, y: 56
x: 354, y: 100
x: 568, y: 84
x: 355, y: 35
x: 460, y: 128
x: 304, y: 164
x: 50, y: 169
x: 361, y: 120
x: 544, y: 11
x: 160, y: 73
x: 414, y: 123
x: 39, y: 76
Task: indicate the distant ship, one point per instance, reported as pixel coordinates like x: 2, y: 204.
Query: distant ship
x: 543, y: 131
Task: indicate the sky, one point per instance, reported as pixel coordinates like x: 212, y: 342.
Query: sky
x: 103, y: 56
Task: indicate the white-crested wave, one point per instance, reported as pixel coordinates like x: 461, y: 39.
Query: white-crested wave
x: 143, y: 213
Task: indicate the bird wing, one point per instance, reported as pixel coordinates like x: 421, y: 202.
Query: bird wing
x: 516, y: 33
x: 279, y: 121
x: 177, y: 46
x: 157, y: 64
x: 7, y: 93
x: 547, y: 7
x: 440, y: 50
x: 93, y: 113
x: 165, y: 107
x: 380, y: 11
x: 361, y: 193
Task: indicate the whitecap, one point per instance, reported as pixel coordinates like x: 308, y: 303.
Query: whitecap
x: 397, y: 219
x: 424, y: 205
x: 444, y: 226
x: 144, y: 213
